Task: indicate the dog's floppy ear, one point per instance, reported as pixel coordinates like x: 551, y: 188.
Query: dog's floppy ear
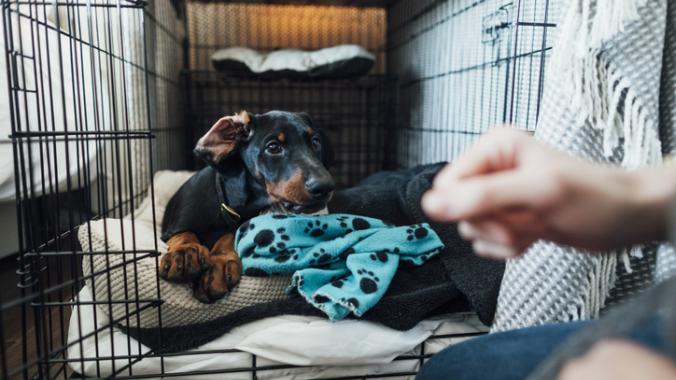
x: 223, y: 138
x: 327, y: 154
x: 306, y: 118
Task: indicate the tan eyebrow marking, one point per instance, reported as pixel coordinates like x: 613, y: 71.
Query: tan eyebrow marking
x: 310, y: 131
x: 281, y: 137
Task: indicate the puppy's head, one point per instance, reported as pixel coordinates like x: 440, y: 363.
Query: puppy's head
x: 284, y: 151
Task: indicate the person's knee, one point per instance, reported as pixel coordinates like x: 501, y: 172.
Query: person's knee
x: 453, y: 362
x: 507, y: 355
x: 432, y: 370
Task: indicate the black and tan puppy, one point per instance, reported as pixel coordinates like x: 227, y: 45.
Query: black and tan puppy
x: 277, y: 160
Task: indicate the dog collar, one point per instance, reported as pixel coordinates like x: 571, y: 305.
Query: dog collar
x: 229, y: 214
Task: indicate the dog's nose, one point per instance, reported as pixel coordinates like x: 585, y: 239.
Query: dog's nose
x: 319, y: 187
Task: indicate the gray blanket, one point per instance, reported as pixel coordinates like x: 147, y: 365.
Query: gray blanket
x: 609, y: 98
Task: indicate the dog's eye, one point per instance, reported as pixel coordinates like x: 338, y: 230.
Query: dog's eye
x: 316, y: 143
x: 273, y: 147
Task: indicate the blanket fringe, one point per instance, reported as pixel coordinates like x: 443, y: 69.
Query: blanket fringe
x: 601, y: 280
x: 603, y: 97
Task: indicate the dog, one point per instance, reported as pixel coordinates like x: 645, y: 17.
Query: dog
x: 277, y: 161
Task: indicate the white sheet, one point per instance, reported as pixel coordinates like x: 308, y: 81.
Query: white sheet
x: 333, y: 349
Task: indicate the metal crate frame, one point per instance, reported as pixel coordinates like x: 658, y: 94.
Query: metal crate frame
x: 48, y: 213
x: 464, y: 67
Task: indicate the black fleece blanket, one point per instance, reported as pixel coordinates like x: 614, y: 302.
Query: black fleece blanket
x: 455, y: 280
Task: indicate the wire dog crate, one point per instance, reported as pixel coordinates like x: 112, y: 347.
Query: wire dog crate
x: 355, y: 113
x: 103, y: 93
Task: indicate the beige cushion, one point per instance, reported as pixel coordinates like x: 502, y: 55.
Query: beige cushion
x: 134, y: 276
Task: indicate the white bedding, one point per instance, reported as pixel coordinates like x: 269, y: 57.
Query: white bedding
x: 331, y: 348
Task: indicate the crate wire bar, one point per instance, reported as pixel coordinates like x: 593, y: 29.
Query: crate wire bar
x: 80, y: 86
x: 103, y: 93
x: 464, y: 67
x: 356, y: 113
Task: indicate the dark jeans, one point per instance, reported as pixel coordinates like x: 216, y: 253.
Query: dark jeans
x: 515, y: 354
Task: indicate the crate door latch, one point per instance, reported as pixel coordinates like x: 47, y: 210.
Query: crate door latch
x: 493, y: 23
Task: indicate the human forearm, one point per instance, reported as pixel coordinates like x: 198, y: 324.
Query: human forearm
x: 653, y: 200
x: 510, y: 190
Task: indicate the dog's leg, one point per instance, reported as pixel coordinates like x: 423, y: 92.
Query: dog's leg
x: 223, y: 274
x: 185, y: 259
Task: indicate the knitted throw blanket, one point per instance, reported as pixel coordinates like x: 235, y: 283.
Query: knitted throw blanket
x: 609, y: 98
x: 340, y: 263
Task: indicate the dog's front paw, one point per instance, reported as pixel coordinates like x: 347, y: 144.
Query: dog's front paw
x: 184, y: 262
x: 223, y: 275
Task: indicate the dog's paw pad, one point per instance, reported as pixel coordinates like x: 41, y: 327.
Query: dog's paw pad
x: 184, y: 262
x: 223, y: 275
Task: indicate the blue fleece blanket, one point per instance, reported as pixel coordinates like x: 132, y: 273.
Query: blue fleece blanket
x: 339, y: 263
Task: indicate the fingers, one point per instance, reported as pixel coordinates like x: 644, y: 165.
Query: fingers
x: 494, y: 239
x: 475, y: 197
x: 493, y: 250
x: 491, y: 180
x: 488, y: 231
x: 494, y: 151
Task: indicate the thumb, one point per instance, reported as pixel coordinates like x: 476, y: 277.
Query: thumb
x: 497, y: 150
x: 477, y: 196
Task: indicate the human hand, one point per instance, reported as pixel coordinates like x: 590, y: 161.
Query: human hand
x: 511, y: 190
x: 618, y: 360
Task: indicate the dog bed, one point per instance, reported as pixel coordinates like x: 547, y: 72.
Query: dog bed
x: 334, y: 343
x: 120, y: 276
x: 342, y: 61
x: 327, y: 349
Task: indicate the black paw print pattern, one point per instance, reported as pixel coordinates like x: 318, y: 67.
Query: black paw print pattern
x: 416, y: 232
x: 379, y: 256
x: 264, y: 238
x: 344, y: 220
x: 353, y: 302
x: 283, y: 257
x: 316, y: 228
x: 360, y: 224
x: 283, y: 235
x: 368, y: 282
x: 343, y: 255
x: 245, y: 228
x: 320, y: 258
x: 355, y: 224
x: 338, y: 282
x: 284, y: 254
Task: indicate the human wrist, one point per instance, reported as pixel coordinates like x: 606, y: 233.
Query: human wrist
x: 653, y: 195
